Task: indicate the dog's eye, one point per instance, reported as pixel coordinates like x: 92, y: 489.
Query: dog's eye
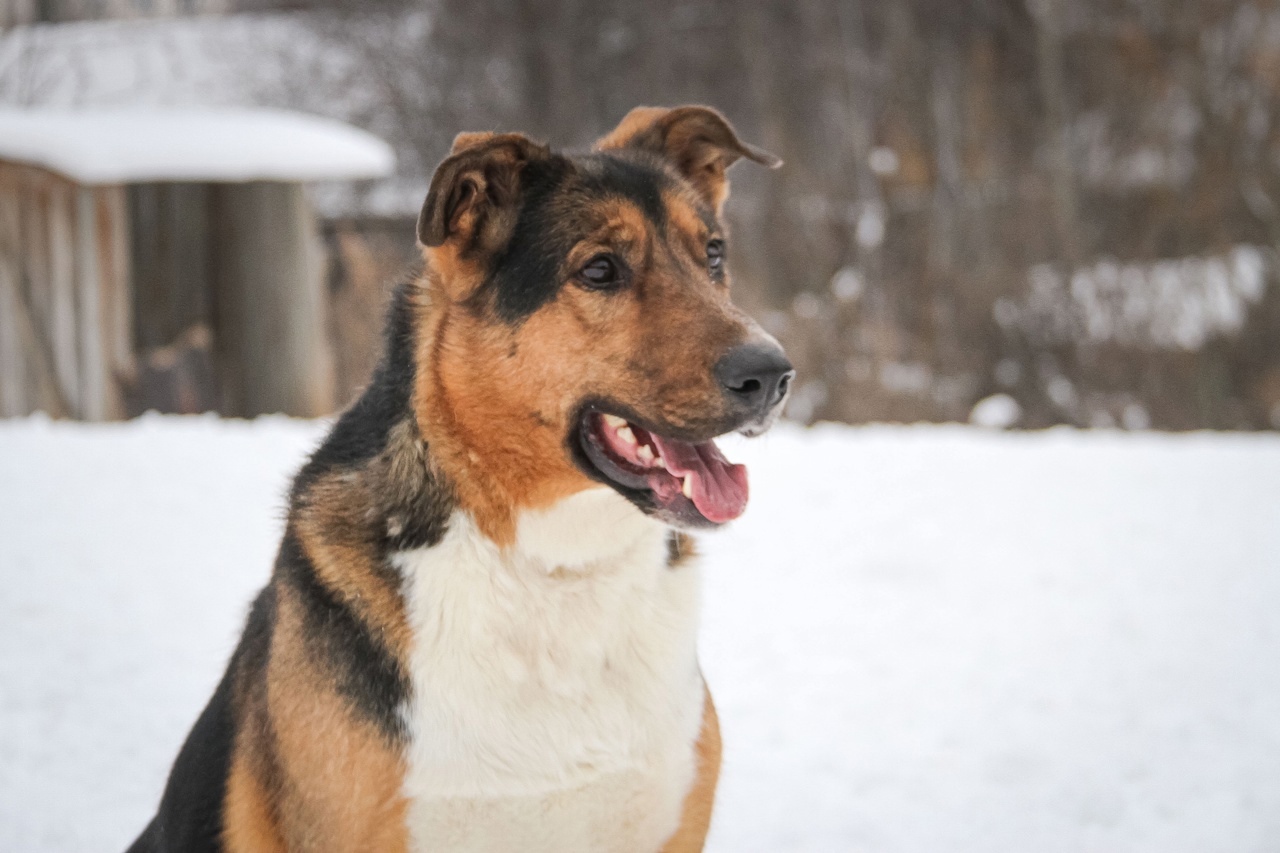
x: 603, y: 272
x: 715, y: 257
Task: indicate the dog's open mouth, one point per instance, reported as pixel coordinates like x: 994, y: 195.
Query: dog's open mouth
x: 689, y: 482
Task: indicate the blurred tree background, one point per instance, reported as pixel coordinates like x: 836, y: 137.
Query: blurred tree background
x: 1072, y: 206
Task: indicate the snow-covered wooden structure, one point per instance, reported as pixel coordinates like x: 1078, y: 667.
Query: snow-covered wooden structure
x: 123, y: 230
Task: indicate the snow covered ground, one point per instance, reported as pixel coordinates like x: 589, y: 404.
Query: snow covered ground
x: 937, y: 640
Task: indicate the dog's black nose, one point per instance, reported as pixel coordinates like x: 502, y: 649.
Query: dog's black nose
x: 755, y: 375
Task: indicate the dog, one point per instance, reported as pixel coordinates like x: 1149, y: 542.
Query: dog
x: 480, y: 630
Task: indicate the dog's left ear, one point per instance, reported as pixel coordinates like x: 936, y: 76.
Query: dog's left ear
x: 697, y: 140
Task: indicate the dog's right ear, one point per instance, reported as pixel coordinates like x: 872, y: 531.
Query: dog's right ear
x: 473, y: 195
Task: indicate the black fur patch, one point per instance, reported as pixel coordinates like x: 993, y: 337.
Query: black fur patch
x: 413, y: 506
x: 418, y: 521
x: 638, y: 183
x: 362, y: 430
x: 367, y: 674
x: 527, y: 274
x: 190, y: 817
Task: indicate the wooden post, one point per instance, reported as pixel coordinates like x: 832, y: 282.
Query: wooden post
x: 269, y: 302
x: 102, y: 302
x: 171, y: 265
x: 13, y: 362
x: 93, y: 372
x: 61, y: 319
x: 115, y: 281
x: 16, y: 13
x: 32, y: 189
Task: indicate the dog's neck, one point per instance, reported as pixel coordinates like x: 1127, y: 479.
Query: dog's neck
x: 503, y: 462
x: 588, y: 529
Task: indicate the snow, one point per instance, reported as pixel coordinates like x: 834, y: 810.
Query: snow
x: 883, y: 161
x: 919, y: 638
x: 998, y: 411
x: 848, y: 284
x: 1173, y: 303
x: 122, y: 145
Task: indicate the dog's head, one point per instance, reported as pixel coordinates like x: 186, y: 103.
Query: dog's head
x: 582, y: 328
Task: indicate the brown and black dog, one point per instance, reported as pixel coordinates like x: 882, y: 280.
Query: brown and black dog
x: 480, y: 633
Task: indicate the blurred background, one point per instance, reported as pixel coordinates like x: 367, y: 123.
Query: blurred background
x: 1013, y: 213
x: 1016, y: 212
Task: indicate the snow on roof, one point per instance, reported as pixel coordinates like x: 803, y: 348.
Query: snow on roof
x: 108, y: 146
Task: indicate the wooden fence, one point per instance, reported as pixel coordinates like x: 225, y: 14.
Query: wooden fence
x: 175, y: 296
x: 65, y: 302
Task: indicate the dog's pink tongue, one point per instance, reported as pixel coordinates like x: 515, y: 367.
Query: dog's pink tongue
x: 719, y: 487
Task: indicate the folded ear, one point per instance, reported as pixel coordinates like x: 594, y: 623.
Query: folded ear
x: 697, y: 140
x: 474, y: 193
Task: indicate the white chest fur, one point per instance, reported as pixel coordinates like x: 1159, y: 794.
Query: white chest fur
x: 556, y: 693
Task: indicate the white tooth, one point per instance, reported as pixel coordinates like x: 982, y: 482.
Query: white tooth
x: 615, y: 421
x: 644, y: 454
x: 687, y: 488
x: 626, y: 434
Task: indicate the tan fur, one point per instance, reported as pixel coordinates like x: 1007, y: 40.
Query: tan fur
x: 331, y: 527
x: 249, y: 821
x: 341, y: 782
x: 681, y: 549
x: 699, y: 802
x: 466, y: 140
x: 639, y: 121
x: 336, y: 779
